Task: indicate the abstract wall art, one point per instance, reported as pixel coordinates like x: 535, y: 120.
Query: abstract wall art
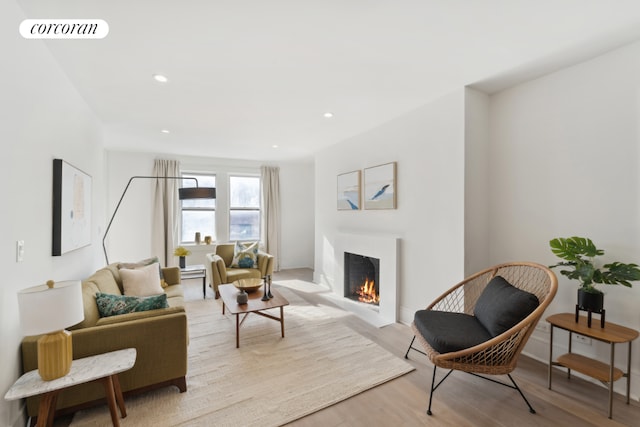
x: 349, y: 191
x: 380, y: 186
x: 71, y: 208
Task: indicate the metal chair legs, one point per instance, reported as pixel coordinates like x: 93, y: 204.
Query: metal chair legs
x: 406, y: 355
x: 434, y: 386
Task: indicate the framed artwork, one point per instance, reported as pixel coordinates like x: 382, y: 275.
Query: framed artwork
x: 71, y: 208
x: 349, y: 191
x: 380, y: 187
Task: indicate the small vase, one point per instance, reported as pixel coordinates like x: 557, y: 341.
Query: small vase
x: 182, y: 262
x: 242, y: 297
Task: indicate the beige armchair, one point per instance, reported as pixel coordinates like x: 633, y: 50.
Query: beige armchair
x: 220, y: 270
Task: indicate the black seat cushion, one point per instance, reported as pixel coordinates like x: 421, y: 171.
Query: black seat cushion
x: 501, y: 306
x: 447, y: 332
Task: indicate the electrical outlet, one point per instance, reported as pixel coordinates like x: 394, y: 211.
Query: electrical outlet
x: 582, y: 339
x: 20, y: 251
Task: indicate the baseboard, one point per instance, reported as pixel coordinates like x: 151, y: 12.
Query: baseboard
x: 406, y: 315
x: 21, y: 419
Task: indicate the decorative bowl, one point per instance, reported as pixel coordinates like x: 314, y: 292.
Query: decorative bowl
x: 249, y: 285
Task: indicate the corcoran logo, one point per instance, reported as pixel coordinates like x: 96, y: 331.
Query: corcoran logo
x: 64, y: 28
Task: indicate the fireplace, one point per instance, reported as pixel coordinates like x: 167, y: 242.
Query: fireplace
x: 362, y: 278
x: 377, y: 256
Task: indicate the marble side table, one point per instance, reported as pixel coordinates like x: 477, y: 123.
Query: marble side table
x: 103, y: 367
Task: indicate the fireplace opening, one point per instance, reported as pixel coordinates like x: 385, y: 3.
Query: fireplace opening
x: 361, y: 278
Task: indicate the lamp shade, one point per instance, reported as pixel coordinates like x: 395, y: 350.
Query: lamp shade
x: 45, y: 309
x: 196, y: 193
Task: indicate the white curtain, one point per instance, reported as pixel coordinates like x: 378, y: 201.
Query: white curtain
x: 164, y: 231
x: 271, y: 212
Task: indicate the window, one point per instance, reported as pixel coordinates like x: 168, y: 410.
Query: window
x: 244, y: 208
x: 198, y: 215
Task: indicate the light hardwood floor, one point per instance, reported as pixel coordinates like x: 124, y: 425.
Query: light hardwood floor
x: 464, y: 400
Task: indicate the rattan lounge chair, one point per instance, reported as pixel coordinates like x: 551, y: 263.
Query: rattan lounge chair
x: 481, y: 325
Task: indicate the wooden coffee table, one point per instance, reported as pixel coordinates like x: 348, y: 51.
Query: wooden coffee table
x: 255, y: 305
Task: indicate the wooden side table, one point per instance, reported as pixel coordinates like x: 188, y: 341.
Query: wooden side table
x: 611, y: 333
x: 103, y: 367
x: 196, y: 271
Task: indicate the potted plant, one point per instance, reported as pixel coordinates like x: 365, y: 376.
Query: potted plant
x: 181, y: 252
x: 578, y: 254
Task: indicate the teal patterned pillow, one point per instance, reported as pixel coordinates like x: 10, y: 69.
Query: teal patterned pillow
x: 111, y: 305
x: 245, y: 255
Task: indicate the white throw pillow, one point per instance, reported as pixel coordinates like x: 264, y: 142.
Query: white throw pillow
x: 141, y: 282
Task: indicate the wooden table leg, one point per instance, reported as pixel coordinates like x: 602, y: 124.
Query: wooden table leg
x: 47, y: 409
x: 119, y: 399
x: 237, y: 330
x: 282, y: 320
x: 111, y: 400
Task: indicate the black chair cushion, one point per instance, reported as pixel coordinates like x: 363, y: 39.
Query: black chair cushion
x: 501, y: 306
x: 447, y: 332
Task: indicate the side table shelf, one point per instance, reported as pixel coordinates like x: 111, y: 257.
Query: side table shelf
x: 605, y: 372
x: 588, y: 366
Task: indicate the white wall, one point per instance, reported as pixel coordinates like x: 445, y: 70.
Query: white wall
x: 130, y: 234
x: 42, y: 117
x: 428, y: 146
x: 476, y: 182
x: 484, y: 180
x: 564, y: 162
x: 298, y: 214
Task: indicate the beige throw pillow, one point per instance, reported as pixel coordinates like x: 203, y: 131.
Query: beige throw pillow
x: 143, y: 263
x: 141, y: 282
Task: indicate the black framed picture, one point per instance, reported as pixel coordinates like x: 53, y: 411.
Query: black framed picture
x: 71, y: 208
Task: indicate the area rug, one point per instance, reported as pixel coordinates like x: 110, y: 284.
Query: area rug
x: 269, y: 380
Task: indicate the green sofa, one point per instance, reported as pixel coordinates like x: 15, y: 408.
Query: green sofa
x: 160, y: 337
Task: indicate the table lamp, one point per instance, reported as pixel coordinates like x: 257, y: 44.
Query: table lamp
x: 49, y: 309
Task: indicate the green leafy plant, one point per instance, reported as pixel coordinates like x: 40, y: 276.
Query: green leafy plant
x: 579, y: 253
x: 181, y: 251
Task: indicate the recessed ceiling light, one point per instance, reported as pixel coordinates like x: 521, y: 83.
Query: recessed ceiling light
x: 275, y: 146
x: 160, y: 78
x: 328, y: 114
x: 165, y: 131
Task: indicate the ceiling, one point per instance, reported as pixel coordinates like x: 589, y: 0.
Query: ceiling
x: 247, y: 75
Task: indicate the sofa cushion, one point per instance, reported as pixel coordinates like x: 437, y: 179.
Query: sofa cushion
x: 105, y: 282
x: 91, y: 313
x: 111, y: 305
x: 448, y: 332
x: 501, y: 306
x: 138, y: 315
x: 245, y: 255
x: 242, y: 273
x: 141, y: 282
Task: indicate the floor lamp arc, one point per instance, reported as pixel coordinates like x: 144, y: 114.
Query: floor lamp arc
x: 184, y: 193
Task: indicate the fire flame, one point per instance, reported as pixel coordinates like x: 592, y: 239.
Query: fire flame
x: 367, y: 292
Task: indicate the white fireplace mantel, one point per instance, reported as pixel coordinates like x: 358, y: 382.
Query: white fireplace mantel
x: 383, y: 247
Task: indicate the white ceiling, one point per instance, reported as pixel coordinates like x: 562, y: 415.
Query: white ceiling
x: 245, y: 75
